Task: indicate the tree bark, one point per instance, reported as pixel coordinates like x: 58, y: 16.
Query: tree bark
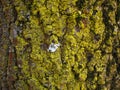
x: 88, y: 32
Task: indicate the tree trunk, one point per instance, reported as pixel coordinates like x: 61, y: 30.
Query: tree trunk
x: 60, y: 44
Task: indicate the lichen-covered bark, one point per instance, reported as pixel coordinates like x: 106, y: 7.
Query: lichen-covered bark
x: 88, y: 57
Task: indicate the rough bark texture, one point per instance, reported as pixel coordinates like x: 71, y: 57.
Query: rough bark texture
x: 89, y: 35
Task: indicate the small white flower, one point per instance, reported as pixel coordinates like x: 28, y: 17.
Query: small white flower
x: 53, y: 47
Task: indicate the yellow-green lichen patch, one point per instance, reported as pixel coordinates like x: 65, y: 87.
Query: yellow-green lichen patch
x: 81, y: 59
